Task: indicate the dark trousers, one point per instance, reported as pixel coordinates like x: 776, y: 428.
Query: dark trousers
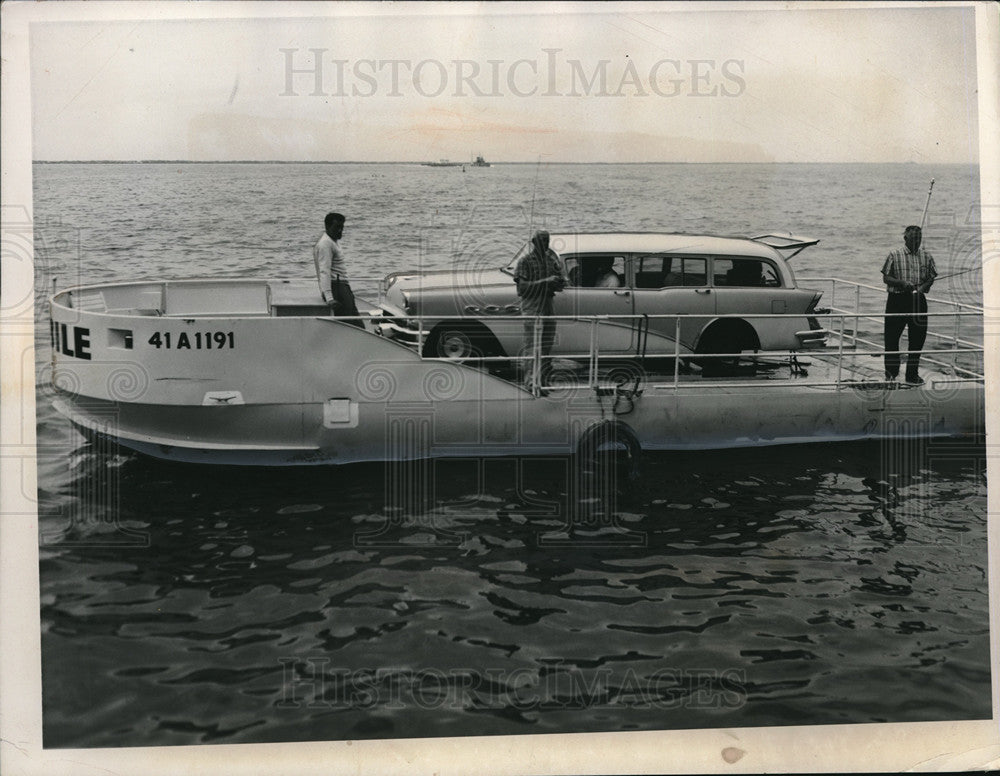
x: 343, y: 300
x: 915, y: 320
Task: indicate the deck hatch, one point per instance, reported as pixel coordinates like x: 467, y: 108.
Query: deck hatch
x: 120, y: 338
x: 206, y: 299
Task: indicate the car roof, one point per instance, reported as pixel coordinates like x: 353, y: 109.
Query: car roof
x: 657, y: 242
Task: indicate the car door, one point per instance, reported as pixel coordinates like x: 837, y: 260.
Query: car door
x: 672, y: 285
x: 584, y: 297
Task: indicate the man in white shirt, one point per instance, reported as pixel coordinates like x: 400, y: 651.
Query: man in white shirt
x: 331, y: 269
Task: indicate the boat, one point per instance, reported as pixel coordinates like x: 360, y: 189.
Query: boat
x: 257, y: 372
x: 480, y: 162
x: 441, y: 163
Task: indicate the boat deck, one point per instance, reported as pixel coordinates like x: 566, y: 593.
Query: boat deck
x: 827, y: 369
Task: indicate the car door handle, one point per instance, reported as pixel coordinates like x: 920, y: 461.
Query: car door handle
x: 703, y: 290
x: 622, y: 293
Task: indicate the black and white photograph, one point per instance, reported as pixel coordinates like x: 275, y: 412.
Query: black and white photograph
x: 499, y: 388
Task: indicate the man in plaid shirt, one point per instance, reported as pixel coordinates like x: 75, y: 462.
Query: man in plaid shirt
x: 539, y: 278
x: 908, y: 276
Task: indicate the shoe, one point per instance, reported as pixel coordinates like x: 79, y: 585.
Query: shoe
x: 891, y: 378
x: 915, y: 380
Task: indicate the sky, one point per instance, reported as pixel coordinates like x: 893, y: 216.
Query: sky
x: 568, y: 83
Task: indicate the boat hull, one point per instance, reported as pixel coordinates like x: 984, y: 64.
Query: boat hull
x: 409, y: 428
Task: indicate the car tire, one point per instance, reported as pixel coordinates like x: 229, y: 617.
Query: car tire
x: 725, y: 336
x: 461, y: 343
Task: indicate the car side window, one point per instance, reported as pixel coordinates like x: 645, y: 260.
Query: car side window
x: 695, y: 272
x: 683, y: 271
x: 619, y: 278
x: 742, y: 273
x: 571, y: 266
x: 605, y: 270
x: 649, y: 271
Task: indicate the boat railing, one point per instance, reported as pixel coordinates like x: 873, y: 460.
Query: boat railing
x: 853, y: 360
x: 853, y: 348
x: 856, y: 289
x: 853, y: 297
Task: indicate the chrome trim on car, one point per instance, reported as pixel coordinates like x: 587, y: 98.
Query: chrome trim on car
x: 395, y: 330
x: 812, y: 337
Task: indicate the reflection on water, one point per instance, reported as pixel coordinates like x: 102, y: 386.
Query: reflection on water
x: 244, y: 605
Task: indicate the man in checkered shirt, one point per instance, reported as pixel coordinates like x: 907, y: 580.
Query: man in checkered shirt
x: 908, y: 276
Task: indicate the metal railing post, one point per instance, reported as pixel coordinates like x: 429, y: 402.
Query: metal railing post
x: 677, y: 351
x: 592, y: 372
x: 536, y: 360
x: 840, y: 348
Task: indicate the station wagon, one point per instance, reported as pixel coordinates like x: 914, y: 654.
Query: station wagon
x: 721, y: 286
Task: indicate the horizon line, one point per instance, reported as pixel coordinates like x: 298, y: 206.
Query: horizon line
x: 457, y: 164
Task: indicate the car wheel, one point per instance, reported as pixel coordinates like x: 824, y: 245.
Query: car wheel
x: 460, y: 343
x: 730, y: 336
x: 455, y: 344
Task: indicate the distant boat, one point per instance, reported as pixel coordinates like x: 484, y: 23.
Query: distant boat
x: 480, y: 162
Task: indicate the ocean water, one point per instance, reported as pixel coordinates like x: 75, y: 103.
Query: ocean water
x: 815, y: 584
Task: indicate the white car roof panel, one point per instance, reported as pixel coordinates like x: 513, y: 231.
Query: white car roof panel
x: 657, y: 242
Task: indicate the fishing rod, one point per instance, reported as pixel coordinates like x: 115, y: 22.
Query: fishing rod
x: 534, y: 188
x: 923, y: 218
x: 953, y: 274
x: 926, y: 205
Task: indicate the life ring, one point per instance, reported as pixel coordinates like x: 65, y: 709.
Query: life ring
x: 613, y: 434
